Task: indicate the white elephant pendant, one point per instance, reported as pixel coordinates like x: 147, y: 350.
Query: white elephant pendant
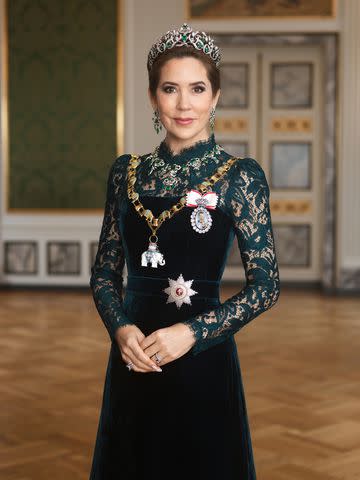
x: 153, y: 256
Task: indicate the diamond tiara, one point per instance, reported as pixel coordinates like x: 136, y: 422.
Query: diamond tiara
x: 184, y: 36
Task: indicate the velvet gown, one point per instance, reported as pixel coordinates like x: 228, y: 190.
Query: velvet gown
x: 189, y: 421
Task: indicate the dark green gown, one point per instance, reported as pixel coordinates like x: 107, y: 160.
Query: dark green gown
x: 190, y: 420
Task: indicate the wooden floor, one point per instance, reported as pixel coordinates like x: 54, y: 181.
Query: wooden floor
x: 300, y: 367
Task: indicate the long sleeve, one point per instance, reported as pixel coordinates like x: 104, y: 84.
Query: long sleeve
x: 248, y: 205
x: 106, y: 279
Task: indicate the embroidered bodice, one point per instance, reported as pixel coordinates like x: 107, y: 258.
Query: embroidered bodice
x: 243, y: 196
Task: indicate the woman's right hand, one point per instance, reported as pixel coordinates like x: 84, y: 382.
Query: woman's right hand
x: 128, y: 339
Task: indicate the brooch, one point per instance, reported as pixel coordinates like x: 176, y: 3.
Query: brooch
x: 201, y: 220
x: 179, y: 291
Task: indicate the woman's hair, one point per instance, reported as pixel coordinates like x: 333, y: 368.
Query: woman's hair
x: 213, y: 73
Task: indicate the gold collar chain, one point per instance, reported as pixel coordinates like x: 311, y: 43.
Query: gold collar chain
x: 155, y: 222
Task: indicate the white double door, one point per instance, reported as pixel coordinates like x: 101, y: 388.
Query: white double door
x: 271, y: 109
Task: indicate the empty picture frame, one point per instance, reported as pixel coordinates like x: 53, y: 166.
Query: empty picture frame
x: 290, y: 165
x: 234, y: 86
x: 93, y: 248
x: 291, y: 85
x: 63, y: 258
x: 293, y: 244
x: 20, y: 257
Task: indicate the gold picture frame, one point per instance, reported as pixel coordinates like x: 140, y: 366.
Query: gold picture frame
x: 269, y: 9
x: 5, y: 150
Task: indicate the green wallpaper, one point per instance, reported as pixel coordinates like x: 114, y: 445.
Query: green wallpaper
x: 62, y: 102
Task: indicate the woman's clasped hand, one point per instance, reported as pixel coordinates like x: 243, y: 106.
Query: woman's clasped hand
x: 168, y: 343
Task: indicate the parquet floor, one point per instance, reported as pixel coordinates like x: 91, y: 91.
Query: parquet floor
x: 300, y: 366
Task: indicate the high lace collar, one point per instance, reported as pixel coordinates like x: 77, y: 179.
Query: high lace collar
x: 197, y: 149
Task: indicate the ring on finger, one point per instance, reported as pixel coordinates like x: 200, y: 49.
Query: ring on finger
x: 157, y: 357
x: 129, y: 365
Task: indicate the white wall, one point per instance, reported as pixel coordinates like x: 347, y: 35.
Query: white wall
x: 145, y: 22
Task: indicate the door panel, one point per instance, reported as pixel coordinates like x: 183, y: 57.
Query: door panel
x: 270, y: 109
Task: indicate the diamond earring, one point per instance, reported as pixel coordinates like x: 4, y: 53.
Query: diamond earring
x: 212, y: 118
x: 156, y: 121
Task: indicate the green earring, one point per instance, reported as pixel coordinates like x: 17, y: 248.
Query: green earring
x: 156, y: 121
x: 212, y: 119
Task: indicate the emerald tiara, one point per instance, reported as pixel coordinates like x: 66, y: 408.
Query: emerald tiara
x: 184, y: 36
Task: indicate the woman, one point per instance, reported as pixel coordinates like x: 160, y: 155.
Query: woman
x: 173, y: 403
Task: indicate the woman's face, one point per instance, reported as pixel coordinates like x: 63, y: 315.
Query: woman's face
x: 184, y: 92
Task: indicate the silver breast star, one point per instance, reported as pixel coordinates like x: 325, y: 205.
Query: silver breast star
x: 179, y: 291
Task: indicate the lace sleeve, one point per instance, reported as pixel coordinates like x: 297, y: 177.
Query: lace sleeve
x: 248, y: 204
x: 106, y: 279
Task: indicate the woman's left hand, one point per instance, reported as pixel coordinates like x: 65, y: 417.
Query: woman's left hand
x: 169, y: 343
